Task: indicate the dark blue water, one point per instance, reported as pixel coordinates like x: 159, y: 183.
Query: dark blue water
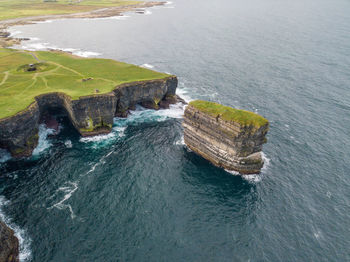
x: 140, y: 195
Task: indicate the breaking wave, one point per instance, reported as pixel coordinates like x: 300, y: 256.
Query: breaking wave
x: 25, y: 253
x: 43, y: 142
x: 32, y: 45
x: 147, y: 66
x: 4, y: 155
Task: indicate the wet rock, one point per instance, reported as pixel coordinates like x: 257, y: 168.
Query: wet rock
x: 9, y: 246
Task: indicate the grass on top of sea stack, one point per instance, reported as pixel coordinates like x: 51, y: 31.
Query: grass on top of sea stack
x: 243, y: 117
x: 10, y: 9
x: 60, y: 72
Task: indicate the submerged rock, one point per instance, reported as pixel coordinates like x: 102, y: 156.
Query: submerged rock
x: 8, y: 244
x: 227, y: 137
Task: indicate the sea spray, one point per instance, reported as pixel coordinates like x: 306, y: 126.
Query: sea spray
x: 4, y: 155
x: 23, y: 239
x: 43, y: 142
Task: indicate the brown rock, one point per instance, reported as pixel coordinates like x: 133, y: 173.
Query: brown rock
x: 226, y: 144
x: 9, y: 246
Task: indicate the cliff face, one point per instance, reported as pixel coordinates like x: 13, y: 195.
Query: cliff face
x: 226, y: 144
x: 90, y: 115
x: 8, y: 244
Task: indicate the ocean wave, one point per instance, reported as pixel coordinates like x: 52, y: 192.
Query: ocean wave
x: 180, y: 142
x: 44, y: 46
x: 99, y: 141
x: 43, y: 22
x: 14, y: 33
x: 4, y: 155
x: 25, y: 253
x: 68, y: 143
x: 267, y: 162
x: 86, y: 53
x: 147, y: 12
x: 147, y: 66
x: 43, y: 142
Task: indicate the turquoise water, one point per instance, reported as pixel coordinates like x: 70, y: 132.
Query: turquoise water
x: 139, y: 195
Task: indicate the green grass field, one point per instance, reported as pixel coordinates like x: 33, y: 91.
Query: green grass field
x: 59, y: 72
x: 243, y: 117
x: 10, y: 9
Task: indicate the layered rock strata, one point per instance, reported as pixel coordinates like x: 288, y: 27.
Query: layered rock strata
x: 232, y: 145
x: 8, y: 244
x: 90, y: 115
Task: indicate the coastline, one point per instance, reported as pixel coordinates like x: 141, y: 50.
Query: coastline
x: 6, y: 40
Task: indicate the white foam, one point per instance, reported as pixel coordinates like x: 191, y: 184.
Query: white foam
x: 183, y: 92
x: 25, y: 253
x: 43, y: 46
x: 43, y: 22
x: 148, y: 12
x: 14, y: 33
x: 69, y: 190
x: 86, y: 53
x: 4, y: 155
x: 118, y: 17
x: 34, y: 39
x: 168, y: 3
x: 68, y: 143
x: 43, y: 143
x: 142, y: 115
x: 254, y: 178
x: 180, y: 142
x: 266, y: 162
x: 147, y: 66
x: 98, y: 138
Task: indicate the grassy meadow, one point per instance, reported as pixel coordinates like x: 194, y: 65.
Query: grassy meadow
x: 245, y: 118
x: 59, y: 72
x: 10, y: 9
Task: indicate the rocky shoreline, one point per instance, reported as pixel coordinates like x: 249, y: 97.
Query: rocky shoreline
x: 7, y: 41
x: 9, y: 245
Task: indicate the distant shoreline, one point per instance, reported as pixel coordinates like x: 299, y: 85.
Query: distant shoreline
x: 7, y: 41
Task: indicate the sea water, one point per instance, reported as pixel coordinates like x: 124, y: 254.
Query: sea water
x: 138, y: 194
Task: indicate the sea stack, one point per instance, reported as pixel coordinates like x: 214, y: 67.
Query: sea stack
x: 8, y: 244
x: 229, y: 138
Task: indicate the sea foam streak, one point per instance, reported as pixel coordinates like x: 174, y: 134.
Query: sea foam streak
x: 147, y: 66
x: 47, y: 46
x: 24, y: 241
x: 68, y: 190
x: 70, y: 187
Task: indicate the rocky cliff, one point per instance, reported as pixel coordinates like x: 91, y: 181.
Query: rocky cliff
x: 227, y: 137
x: 90, y: 115
x: 8, y: 244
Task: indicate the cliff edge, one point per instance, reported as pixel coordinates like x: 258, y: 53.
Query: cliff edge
x: 90, y: 92
x: 227, y: 137
x: 8, y: 244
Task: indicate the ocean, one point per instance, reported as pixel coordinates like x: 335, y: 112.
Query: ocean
x: 138, y: 194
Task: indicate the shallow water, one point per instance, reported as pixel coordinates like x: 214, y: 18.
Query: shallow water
x: 139, y: 195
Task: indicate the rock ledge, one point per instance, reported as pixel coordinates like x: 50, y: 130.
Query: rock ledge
x: 227, y: 137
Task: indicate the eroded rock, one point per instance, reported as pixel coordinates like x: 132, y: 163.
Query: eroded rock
x: 227, y: 137
x: 9, y: 246
x: 90, y: 115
